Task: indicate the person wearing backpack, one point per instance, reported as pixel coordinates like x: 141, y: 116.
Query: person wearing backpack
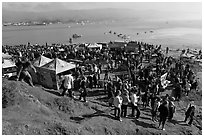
x: 117, y: 104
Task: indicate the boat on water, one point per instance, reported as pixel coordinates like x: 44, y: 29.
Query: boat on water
x: 76, y: 36
x: 120, y: 35
x: 125, y: 37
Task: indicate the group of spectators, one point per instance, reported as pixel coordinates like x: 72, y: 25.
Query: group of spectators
x: 143, y: 83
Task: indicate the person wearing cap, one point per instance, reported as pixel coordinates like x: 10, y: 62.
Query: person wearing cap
x: 164, y: 112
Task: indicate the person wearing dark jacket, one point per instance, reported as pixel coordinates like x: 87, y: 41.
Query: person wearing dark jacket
x: 22, y: 72
x: 82, y: 89
x: 190, y: 114
x: 164, y: 112
x: 90, y: 81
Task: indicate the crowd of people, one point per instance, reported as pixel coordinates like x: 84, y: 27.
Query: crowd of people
x: 142, y: 84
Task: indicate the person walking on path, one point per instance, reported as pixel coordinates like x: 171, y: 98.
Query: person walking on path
x: 190, y: 113
x: 164, y: 112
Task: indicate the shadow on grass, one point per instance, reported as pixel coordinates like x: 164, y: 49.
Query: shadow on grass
x: 57, y: 93
x: 99, y: 113
x: 103, y: 99
x: 143, y: 124
x: 146, y: 118
x: 77, y: 119
x: 104, y: 105
x: 97, y: 92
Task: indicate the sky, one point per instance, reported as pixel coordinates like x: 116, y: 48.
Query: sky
x: 52, y: 6
x: 19, y: 11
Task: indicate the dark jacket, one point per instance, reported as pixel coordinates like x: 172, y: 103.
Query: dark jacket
x: 164, y: 111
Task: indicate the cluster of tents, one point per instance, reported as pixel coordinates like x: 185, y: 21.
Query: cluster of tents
x: 48, y: 71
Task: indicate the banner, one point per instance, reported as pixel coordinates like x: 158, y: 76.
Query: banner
x: 164, y: 82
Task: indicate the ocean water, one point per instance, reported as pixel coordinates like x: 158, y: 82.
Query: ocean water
x: 172, y: 34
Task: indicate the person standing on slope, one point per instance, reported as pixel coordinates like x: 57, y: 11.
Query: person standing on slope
x: 68, y: 85
x: 117, y: 103
x: 22, y: 72
x: 164, y: 112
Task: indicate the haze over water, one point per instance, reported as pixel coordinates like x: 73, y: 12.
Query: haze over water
x: 176, y: 30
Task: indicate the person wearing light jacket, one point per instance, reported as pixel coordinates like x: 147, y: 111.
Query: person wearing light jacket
x: 134, y: 103
x: 68, y: 85
x: 117, y: 104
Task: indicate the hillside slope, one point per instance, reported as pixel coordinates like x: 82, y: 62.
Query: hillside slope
x: 33, y: 111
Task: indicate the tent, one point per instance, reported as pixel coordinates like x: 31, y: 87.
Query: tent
x: 94, y: 46
x: 40, y: 61
x: 48, y: 73
x: 6, y: 56
x: 59, y: 66
x: 8, y: 67
x: 8, y: 63
x: 37, y: 63
x: 187, y: 55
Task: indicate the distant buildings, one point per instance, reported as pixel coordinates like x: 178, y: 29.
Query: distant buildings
x: 25, y: 23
